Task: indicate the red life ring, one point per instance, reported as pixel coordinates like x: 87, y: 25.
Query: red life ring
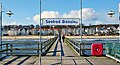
x: 97, y: 49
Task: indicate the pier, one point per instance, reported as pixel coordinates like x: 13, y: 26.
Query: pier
x: 54, y: 52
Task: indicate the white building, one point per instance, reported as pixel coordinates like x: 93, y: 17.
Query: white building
x: 13, y: 32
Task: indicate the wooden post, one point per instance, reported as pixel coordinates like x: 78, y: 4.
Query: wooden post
x: 41, y: 48
x: 82, y: 49
x: 45, y: 47
x: 11, y: 49
x: 7, y: 49
x: 38, y: 49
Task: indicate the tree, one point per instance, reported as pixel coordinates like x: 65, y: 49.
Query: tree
x: 32, y: 26
x: 37, y: 27
x: 5, y: 27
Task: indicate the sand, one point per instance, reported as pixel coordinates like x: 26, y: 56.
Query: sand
x: 48, y: 37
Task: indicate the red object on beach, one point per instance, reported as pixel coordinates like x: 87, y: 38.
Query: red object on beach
x: 97, y: 49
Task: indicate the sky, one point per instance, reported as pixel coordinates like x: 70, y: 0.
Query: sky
x: 27, y: 12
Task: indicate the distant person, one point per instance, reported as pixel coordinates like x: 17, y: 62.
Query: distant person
x: 63, y: 38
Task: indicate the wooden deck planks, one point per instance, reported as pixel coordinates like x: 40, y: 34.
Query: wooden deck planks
x: 68, y: 51
x: 52, y: 49
x: 69, y: 58
x: 48, y: 60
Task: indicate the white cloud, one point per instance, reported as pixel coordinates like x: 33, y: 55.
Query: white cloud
x: 88, y: 14
x: 98, y: 22
x: 10, y: 23
x: 36, y: 18
x: 50, y: 14
x: 71, y: 14
x: 46, y: 14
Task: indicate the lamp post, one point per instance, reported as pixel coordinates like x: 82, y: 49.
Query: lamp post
x: 80, y: 16
x: 111, y: 13
x: 81, y: 23
x: 9, y: 13
x: 40, y: 42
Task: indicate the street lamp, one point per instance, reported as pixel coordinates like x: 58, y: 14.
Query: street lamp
x: 80, y: 16
x: 9, y: 13
x: 40, y: 42
x: 111, y: 13
x: 81, y: 22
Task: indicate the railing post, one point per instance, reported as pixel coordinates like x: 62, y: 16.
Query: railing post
x: 11, y: 49
x: 7, y: 49
x: 38, y: 49
x: 113, y: 49
x: 61, y: 54
x: 41, y: 48
x: 81, y: 49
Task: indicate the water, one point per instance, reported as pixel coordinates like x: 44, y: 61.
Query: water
x: 32, y: 43
x: 115, y: 40
x: 88, y: 52
x: 23, y: 43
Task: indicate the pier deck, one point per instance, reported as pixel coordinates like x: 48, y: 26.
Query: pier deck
x: 55, y: 60
x: 69, y: 57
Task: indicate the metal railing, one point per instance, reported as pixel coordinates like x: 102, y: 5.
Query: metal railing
x: 26, y: 48
x: 113, y: 49
x: 83, y: 48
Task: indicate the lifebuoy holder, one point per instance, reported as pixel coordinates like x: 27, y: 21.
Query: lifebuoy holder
x: 97, y: 49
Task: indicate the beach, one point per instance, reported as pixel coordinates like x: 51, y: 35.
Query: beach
x: 48, y: 37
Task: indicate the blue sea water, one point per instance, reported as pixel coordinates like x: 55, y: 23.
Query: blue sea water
x: 115, y: 40
x: 88, y: 52
x: 32, y: 43
x: 22, y: 43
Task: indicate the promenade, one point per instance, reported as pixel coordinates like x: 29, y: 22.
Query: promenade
x: 48, y: 37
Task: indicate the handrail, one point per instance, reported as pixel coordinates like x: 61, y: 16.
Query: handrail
x: 113, y: 49
x: 80, y: 47
x: 4, y: 44
x: 9, y: 46
x: 73, y: 44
